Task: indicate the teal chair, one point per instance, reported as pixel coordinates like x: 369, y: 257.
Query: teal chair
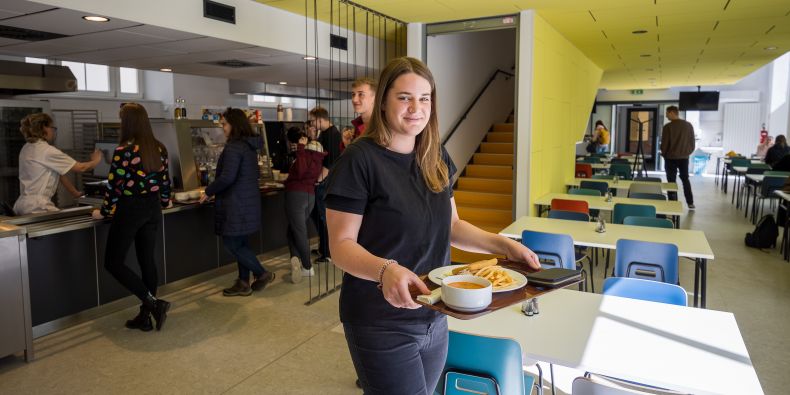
x: 776, y: 173
x: 621, y: 170
x: 591, y: 159
x: 652, y: 196
x: 484, y: 365
x: 603, y: 177
x: 652, y: 291
x: 622, y: 210
x: 650, y: 222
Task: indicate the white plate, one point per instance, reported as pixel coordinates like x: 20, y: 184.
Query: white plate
x: 438, y: 274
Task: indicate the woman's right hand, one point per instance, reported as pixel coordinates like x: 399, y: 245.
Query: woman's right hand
x: 395, y: 286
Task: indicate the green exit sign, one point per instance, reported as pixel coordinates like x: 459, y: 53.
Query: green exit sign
x: 637, y: 91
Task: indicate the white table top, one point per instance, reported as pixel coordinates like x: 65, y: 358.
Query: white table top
x: 686, y: 349
x: 740, y: 169
x: 758, y: 178
x: 691, y: 243
x: 729, y: 160
x: 665, y: 207
x: 784, y: 195
x: 623, y: 184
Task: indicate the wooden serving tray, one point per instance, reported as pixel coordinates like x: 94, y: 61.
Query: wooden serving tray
x: 498, y: 300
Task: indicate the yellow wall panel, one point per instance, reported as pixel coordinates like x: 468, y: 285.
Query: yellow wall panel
x: 564, y: 85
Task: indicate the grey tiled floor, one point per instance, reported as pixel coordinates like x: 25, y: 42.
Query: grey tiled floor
x: 272, y: 343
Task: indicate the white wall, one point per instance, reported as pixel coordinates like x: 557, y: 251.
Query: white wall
x: 778, y: 106
x: 523, y: 114
x: 414, y: 42
x: 462, y: 63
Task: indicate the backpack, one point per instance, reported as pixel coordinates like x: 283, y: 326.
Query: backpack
x: 764, y: 235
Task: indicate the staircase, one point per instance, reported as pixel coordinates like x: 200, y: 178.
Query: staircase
x: 484, y: 194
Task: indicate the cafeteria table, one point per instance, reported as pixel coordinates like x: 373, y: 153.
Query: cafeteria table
x: 623, y: 184
x: 692, y: 244
x: 672, y: 208
x: 674, y: 347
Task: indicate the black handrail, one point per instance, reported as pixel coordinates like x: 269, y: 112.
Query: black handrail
x: 463, y: 117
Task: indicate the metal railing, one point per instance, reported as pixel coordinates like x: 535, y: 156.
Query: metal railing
x: 474, y: 102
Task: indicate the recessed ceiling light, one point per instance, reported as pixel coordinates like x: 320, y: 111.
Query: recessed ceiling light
x: 165, y: 69
x: 645, y: 55
x: 96, y: 18
x: 639, y: 32
x: 283, y: 83
x: 771, y: 48
x: 308, y: 57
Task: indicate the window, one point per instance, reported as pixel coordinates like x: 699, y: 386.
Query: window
x: 128, y: 80
x: 35, y: 60
x: 78, y: 69
x: 90, y: 77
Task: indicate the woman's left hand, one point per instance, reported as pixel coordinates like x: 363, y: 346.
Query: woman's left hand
x: 96, y: 214
x: 516, y: 251
x: 204, y: 198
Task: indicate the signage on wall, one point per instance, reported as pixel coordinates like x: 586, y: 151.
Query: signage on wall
x: 637, y: 91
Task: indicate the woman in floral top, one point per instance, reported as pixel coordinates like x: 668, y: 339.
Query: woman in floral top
x: 138, y: 186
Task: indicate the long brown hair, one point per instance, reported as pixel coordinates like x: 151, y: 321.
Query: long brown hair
x: 240, y: 127
x: 136, y: 129
x: 428, y: 145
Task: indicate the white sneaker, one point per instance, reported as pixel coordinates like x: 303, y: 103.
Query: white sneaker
x: 296, y: 270
x: 308, y: 272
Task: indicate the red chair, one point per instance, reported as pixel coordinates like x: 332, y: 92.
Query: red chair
x: 584, y: 170
x: 579, y: 206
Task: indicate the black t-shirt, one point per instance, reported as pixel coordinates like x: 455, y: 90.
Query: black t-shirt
x: 402, y: 219
x: 330, y: 139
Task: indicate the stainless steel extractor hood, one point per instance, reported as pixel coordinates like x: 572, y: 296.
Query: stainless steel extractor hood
x: 18, y: 78
x: 260, y: 88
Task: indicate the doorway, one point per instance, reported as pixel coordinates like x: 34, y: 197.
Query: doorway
x: 642, y: 120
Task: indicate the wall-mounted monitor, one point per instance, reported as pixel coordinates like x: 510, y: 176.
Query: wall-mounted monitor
x: 699, y: 101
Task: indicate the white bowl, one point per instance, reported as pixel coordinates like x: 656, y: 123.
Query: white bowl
x: 182, y: 196
x: 464, y: 299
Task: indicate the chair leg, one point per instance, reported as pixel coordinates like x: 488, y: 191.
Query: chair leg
x: 551, y: 371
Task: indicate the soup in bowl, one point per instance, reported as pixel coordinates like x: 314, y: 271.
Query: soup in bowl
x: 466, y: 292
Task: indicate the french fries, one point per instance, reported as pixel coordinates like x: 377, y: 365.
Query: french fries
x: 489, y: 270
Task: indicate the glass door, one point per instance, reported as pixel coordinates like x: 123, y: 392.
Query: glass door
x: 642, y: 130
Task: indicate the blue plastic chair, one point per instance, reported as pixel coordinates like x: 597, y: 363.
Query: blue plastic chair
x: 557, y: 250
x: 647, y: 221
x: 622, y: 210
x: 643, y: 195
x: 653, y: 291
x: 647, y: 260
x: 648, y: 179
x: 599, y: 186
x: 483, y: 365
x: 569, y: 215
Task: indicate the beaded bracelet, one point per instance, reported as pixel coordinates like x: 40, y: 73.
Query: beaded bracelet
x: 383, y: 268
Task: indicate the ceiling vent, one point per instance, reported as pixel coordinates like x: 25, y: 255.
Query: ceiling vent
x: 236, y: 64
x: 18, y: 33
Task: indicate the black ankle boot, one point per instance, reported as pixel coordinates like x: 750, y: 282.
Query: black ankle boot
x: 158, y: 308
x: 142, y: 321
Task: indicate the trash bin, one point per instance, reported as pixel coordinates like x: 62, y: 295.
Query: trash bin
x: 700, y: 162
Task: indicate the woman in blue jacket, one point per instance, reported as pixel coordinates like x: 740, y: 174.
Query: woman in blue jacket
x: 238, y: 201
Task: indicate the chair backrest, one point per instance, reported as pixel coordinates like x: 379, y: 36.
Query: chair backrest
x: 600, y: 186
x: 620, y: 160
x: 647, y: 221
x: 553, y: 249
x: 494, y: 358
x: 584, y: 191
x: 741, y: 162
x: 653, y: 291
x: 647, y: 260
x: 570, y: 205
x: 652, y: 196
x: 759, y: 166
x: 652, y: 187
x: 591, y: 159
x: 756, y: 170
x: 603, y: 177
x: 622, y: 210
x: 770, y: 184
x: 776, y: 173
x: 569, y: 215
x: 584, y: 170
x: 648, y: 179
x: 620, y: 169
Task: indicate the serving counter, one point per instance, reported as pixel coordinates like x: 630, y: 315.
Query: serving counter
x: 65, y: 256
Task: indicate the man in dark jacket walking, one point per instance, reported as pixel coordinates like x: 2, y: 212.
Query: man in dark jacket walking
x: 677, y: 143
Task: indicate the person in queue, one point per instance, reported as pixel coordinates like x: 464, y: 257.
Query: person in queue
x: 779, y: 150
x: 363, y: 92
x: 138, y: 187
x: 300, y: 200
x: 237, y: 206
x: 330, y: 139
x: 391, y: 216
x: 42, y: 166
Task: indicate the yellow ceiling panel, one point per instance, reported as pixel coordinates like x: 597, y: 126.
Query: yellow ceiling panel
x: 729, y: 39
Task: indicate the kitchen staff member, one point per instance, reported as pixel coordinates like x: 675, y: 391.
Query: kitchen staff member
x: 41, y: 165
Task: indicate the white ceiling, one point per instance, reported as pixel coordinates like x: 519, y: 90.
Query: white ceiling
x: 128, y: 44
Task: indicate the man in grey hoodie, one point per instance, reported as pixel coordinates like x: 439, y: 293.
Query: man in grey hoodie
x: 677, y: 143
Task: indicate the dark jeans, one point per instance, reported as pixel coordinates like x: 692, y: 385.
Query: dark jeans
x: 245, y: 258
x: 298, y: 206
x: 398, y: 359
x: 319, y: 218
x: 136, y: 219
x: 672, y: 166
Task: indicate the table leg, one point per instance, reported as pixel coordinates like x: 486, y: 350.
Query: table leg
x: 696, y: 281
x: 716, y: 179
x: 704, y: 283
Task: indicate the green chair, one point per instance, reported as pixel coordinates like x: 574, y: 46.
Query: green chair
x: 622, y: 210
x: 621, y: 170
x: 584, y: 191
x: 649, y: 222
x: 646, y: 195
x: 603, y: 177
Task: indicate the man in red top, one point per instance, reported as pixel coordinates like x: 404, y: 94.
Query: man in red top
x: 363, y: 93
